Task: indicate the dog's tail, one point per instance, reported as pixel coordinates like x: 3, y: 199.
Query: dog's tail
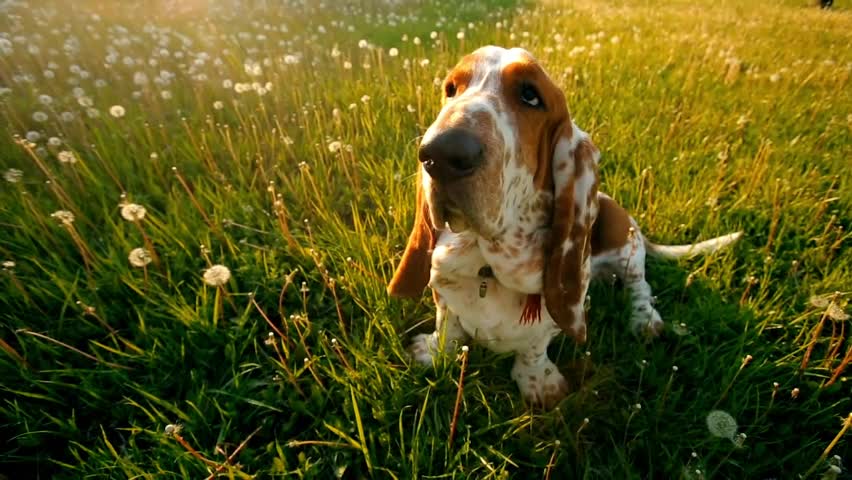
x: 678, y: 251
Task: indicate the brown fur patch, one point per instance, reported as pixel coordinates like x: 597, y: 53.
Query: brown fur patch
x: 412, y: 273
x: 612, y: 227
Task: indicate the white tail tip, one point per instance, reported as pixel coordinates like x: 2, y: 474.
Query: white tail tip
x: 700, y: 248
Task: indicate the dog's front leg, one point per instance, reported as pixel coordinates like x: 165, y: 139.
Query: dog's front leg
x: 425, y: 346
x: 537, y: 376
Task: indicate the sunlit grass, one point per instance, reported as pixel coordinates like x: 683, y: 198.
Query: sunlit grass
x: 280, y: 144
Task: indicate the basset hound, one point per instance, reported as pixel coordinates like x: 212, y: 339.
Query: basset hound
x: 509, y: 220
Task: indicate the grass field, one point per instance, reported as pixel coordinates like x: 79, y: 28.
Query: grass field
x: 281, y: 143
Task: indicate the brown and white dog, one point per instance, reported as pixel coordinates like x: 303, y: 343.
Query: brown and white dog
x: 507, y: 212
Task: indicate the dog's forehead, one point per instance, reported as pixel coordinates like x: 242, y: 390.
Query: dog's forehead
x: 497, y: 58
x: 491, y: 61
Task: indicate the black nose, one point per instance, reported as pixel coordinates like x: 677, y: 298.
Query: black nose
x: 452, y: 154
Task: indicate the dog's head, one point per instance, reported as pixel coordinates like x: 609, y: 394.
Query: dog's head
x: 502, y: 151
x: 493, y: 141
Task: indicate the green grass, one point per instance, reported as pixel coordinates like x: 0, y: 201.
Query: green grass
x: 711, y: 117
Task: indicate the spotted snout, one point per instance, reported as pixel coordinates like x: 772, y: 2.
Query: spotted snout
x: 453, y: 154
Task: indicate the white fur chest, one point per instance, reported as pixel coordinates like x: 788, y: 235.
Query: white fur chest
x: 492, y: 316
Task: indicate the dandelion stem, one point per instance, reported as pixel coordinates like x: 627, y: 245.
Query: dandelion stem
x: 13, y: 353
x: 745, y: 362
x: 667, y: 389
x: 233, y: 455
x: 816, y: 333
x: 577, y: 435
x: 846, y: 424
x: 843, y: 363
x: 459, y: 395
x: 552, y: 462
x: 193, y: 451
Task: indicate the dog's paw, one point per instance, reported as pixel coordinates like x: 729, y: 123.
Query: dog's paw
x: 646, y: 321
x: 423, y: 348
x: 541, y: 385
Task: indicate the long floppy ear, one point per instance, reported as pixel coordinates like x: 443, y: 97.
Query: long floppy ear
x: 567, y: 268
x: 412, y: 273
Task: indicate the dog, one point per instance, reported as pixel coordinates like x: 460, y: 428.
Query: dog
x: 509, y: 220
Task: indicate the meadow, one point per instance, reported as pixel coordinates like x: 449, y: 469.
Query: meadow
x: 202, y: 203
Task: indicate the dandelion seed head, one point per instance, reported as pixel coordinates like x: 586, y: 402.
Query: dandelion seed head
x: 721, y: 424
x: 133, y: 212
x: 217, y: 275
x: 836, y: 313
x: 117, y: 111
x: 13, y: 175
x: 40, y: 117
x: 64, y: 216
x: 66, y: 156
x: 139, y: 257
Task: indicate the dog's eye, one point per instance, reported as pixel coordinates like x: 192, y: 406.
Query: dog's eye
x: 450, y: 89
x: 529, y: 95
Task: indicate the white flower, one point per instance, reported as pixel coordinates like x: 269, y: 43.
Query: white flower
x: 217, y: 275
x: 365, y: 99
x: 64, y: 216
x: 460, y: 35
x: 411, y: 108
x: 334, y: 147
x: 774, y: 78
x: 393, y: 52
x: 45, y: 99
x: 66, y: 156
x: 433, y: 35
x: 362, y: 44
x: 33, y: 136
x: 8, y: 265
x: 721, y: 424
x: 54, y: 141
x: 218, y: 105
x: 133, y: 212
x: 39, y: 117
x: 139, y: 257
x: 347, y: 65
x: 13, y: 175
x: 116, y: 111
x: 416, y: 40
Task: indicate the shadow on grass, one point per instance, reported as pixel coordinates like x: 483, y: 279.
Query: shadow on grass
x: 634, y: 403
